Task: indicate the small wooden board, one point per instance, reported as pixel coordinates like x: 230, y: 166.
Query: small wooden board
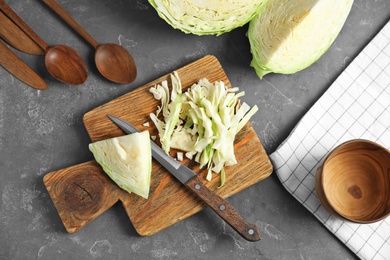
x: 169, y: 201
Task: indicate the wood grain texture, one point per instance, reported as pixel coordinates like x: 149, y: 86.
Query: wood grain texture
x: 11, y: 62
x: 224, y: 209
x: 112, y: 60
x: 63, y: 62
x: 22, y: 25
x: 71, y: 22
x: 170, y: 201
x: 81, y: 193
x: 353, y: 181
x: 15, y: 37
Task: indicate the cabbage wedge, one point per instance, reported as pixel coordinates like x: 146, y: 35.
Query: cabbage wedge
x: 206, y: 17
x: 290, y: 35
x: 127, y: 160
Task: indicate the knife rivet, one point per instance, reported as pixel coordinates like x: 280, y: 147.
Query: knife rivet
x: 251, y: 231
x: 222, y: 207
x: 197, y: 187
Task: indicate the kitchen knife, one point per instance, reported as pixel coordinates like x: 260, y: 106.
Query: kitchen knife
x: 11, y: 62
x: 16, y: 37
x: 192, y: 181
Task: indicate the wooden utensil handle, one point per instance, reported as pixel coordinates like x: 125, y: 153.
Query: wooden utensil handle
x: 72, y: 22
x: 11, y: 62
x: 22, y: 25
x: 224, y: 209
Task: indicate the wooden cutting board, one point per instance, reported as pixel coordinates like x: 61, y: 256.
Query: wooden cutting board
x: 83, y: 192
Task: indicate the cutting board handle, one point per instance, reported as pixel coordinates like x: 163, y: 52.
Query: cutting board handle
x: 81, y: 193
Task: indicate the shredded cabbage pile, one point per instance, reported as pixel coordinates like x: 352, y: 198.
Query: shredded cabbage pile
x: 203, y: 121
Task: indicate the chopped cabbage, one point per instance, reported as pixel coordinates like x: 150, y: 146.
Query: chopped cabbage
x: 203, y: 121
x: 127, y: 160
x: 203, y: 17
x: 289, y: 35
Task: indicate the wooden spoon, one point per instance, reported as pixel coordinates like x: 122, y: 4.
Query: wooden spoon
x: 63, y: 62
x: 112, y: 60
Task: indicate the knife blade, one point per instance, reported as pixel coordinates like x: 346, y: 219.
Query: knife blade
x: 16, y: 37
x: 11, y: 62
x: 193, y: 182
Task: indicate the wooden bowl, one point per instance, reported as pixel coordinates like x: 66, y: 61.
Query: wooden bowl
x: 353, y: 181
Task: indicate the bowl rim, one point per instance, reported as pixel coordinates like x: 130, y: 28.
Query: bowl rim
x: 320, y: 183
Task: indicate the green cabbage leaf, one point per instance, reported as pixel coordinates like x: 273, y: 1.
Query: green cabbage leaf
x: 207, y: 17
x: 127, y: 160
x: 287, y: 36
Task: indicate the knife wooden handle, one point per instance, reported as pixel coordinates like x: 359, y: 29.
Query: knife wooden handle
x: 224, y: 209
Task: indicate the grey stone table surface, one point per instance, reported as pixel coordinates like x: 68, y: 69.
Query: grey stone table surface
x: 42, y: 131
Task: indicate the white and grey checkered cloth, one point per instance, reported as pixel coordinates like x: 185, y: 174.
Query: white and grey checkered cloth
x: 356, y: 106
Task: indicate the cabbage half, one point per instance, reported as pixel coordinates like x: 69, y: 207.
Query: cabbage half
x: 127, y: 160
x: 203, y: 17
x: 289, y: 35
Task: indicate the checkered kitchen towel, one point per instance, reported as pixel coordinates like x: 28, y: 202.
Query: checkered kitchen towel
x: 356, y: 105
